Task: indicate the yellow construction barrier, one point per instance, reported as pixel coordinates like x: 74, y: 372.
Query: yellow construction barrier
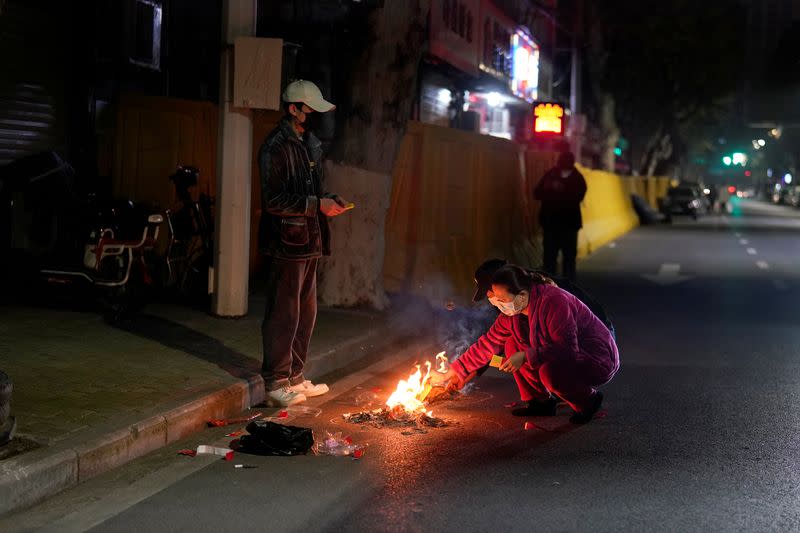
x: 607, y: 210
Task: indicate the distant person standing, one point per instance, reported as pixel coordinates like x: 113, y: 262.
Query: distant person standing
x: 723, y: 198
x: 561, y: 191
x: 294, y: 235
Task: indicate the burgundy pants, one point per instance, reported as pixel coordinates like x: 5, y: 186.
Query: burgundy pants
x: 572, y: 380
x: 289, y: 319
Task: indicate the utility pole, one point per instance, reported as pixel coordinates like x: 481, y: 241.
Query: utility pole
x: 234, y: 163
x: 577, y: 122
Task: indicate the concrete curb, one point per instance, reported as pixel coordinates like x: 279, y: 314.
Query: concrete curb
x: 37, y: 475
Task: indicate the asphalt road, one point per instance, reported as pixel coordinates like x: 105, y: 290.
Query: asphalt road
x: 700, y: 431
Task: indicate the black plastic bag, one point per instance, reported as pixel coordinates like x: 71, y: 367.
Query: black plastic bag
x: 269, y: 438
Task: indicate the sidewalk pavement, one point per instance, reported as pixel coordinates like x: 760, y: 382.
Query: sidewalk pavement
x: 92, y: 396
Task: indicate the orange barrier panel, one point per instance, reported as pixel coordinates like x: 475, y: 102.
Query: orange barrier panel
x: 459, y: 198
x: 153, y: 136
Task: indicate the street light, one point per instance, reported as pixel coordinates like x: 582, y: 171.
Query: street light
x: 762, y: 143
x: 787, y: 178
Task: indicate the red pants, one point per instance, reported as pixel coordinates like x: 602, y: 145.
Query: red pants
x: 572, y: 380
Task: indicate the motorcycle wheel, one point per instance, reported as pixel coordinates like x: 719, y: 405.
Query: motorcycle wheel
x: 122, y: 303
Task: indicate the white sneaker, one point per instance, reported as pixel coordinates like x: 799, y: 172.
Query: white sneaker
x: 285, y: 397
x: 309, y: 389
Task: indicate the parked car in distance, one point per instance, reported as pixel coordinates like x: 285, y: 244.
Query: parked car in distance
x: 685, y: 200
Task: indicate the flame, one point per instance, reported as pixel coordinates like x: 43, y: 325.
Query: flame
x: 441, y: 358
x: 409, y: 394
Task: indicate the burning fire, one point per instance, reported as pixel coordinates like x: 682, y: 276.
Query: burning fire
x: 441, y: 358
x: 410, y: 394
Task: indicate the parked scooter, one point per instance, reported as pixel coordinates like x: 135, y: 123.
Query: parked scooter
x: 51, y: 234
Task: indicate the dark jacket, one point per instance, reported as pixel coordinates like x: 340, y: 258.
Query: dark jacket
x: 292, y: 226
x: 561, y: 199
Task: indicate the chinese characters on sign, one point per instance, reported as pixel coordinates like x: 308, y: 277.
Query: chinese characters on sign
x: 548, y: 118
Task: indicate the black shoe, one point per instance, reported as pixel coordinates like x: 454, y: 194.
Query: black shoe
x: 537, y: 408
x: 583, y: 417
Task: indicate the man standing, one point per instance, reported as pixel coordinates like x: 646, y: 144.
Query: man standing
x: 293, y: 234
x: 561, y: 191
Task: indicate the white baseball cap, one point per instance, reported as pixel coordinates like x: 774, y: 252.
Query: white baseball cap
x: 306, y: 92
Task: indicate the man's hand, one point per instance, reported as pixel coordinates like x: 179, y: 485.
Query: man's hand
x: 330, y: 207
x: 513, y: 363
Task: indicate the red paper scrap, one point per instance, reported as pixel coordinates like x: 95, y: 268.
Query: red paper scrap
x: 283, y: 414
x: 190, y: 453
x: 358, y: 453
x: 229, y: 456
x: 235, y: 434
x: 219, y: 422
x: 529, y: 426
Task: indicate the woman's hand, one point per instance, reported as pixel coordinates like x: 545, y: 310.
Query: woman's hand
x: 513, y: 363
x: 451, y: 380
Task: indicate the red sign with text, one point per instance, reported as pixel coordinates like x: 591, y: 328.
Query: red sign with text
x: 548, y: 119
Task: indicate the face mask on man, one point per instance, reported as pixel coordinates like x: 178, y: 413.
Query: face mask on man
x: 312, y: 121
x: 565, y: 172
x: 514, y: 307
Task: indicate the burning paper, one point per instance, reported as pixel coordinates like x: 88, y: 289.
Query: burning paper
x: 442, y: 362
x: 406, y: 405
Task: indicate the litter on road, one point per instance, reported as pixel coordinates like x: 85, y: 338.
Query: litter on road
x: 220, y: 422
x: 335, y: 444
x: 225, y: 453
x: 269, y: 438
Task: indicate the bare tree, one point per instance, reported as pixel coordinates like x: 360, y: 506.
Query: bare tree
x: 378, y: 100
x: 663, y: 66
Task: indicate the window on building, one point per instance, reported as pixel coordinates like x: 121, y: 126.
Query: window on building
x: 145, y: 47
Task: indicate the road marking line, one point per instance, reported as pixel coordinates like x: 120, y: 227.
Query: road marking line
x: 751, y: 251
x: 763, y: 265
x: 744, y: 242
x: 780, y: 284
x: 668, y: 273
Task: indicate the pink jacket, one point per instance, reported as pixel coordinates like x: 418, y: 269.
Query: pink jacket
x: 558, y: 326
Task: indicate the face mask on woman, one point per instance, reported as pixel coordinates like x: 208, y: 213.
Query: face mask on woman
x: 514, y: 307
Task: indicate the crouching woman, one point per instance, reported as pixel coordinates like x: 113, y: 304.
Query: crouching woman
x: 553, y: 345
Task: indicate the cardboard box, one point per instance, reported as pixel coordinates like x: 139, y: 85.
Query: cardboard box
x: 257, y: 73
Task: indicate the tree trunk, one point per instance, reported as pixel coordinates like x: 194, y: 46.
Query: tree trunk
x: 373, y: 119
x: 659, y: 149
x: 597, y: 61
x: 610, y: 132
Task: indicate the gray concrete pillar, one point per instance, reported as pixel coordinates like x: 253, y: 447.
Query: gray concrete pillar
x: 234, y: 163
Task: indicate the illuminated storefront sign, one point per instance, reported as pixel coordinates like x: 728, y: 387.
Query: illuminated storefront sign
x: 525, y: 67
x: 548, y: 118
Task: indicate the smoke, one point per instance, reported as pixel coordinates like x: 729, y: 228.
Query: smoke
x: 455, y: 324
x: 458, y: 329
